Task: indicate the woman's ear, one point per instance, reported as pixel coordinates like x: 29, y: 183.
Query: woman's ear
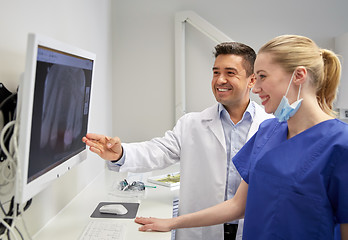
x: 300, y: 75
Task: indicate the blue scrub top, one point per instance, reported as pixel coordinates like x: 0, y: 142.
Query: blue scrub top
x: 298, y: 187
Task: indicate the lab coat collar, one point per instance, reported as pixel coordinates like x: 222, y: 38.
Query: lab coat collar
x: 211, y: 118
x: 250, y: 110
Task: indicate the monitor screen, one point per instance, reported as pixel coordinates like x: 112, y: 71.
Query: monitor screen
x: 54, y: 99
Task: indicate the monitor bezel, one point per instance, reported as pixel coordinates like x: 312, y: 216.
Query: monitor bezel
x: 24, y: 190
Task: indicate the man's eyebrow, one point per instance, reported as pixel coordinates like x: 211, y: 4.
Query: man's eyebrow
x: 227, y: 68
x: 231, y: 68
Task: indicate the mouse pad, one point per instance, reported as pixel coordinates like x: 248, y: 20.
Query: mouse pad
x: 131, y: 207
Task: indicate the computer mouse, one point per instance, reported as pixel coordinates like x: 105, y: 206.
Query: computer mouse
x: 117, y: 209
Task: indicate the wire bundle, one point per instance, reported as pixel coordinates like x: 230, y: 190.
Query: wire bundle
x: 8, y: 165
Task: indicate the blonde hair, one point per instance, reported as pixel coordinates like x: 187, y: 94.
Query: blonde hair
x: 323, y: 66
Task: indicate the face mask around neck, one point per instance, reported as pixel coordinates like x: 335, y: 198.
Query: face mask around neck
x: 285, y: 110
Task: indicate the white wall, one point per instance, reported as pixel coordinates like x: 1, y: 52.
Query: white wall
x: 82, y: 23
x: 144, y: 50
x: 341, y: 46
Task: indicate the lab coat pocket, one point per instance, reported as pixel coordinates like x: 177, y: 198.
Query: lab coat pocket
x: 297, y: 216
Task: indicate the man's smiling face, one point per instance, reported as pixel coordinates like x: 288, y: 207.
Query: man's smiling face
x: 230, y: 84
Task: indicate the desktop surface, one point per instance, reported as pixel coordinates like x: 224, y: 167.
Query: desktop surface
x: 71, y: 222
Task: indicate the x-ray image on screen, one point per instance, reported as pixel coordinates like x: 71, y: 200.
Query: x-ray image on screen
x: 62, y: 112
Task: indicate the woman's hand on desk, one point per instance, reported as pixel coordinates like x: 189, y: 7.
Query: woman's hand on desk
x: 106, y: 147
x: 155, y: 224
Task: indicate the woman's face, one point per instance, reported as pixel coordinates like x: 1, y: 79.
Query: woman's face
x: 271, y: 81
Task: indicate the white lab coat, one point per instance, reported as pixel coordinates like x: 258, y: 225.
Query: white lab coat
x: 198, y: 142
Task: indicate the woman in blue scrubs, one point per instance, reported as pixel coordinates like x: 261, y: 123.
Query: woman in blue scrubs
x: 295, y: 168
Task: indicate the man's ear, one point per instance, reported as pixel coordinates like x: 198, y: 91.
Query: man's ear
x: 252, y: 81
x: 300, y: 75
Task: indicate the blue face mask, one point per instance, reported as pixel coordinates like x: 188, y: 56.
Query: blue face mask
x: 285, y: 110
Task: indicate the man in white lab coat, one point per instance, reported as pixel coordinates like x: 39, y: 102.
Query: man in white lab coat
x: 204, y: 143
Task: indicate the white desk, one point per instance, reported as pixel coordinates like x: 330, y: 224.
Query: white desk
x: 72, y: 220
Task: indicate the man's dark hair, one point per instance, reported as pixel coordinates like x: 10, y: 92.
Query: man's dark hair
x: 239, y: 49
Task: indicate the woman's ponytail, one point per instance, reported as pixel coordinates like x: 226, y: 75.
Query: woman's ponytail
x: 328, y: 88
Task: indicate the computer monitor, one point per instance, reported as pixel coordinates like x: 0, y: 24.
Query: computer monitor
x: 53, y: 107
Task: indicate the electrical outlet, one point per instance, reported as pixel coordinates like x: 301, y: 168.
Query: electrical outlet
x: 343, y: 113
